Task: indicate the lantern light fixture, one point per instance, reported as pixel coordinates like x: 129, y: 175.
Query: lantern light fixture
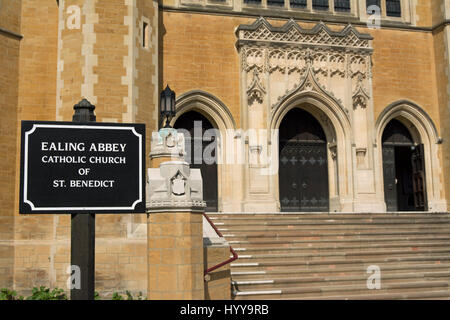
x: 167, y: 105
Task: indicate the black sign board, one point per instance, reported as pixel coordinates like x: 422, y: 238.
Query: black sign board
x: 69, y: 167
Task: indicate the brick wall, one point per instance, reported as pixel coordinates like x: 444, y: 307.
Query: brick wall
x: 9, y: 77
x: 218, y: 287
x: 199, y: 53
x: 441, y: 48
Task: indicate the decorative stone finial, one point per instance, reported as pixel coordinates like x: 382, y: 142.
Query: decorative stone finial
x: 84, y: 112
x: 167, y: 143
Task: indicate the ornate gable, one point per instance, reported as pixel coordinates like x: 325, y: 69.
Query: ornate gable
x: 282, y: 56
x: 261, y: 32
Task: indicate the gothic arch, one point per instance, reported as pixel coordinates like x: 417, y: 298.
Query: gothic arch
x: 422, y: 130
x: 336, y: 125
x: 221, y: 118
x: 208, y: 105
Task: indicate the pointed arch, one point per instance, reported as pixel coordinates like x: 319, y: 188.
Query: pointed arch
x: 335, y: 121
x: 208, y: 105
x: 423, y: 130
x: 310, y: 91
x: 405, y: 109
x: 218, y: 114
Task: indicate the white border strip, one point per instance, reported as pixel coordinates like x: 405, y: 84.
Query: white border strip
x: 25, y: 180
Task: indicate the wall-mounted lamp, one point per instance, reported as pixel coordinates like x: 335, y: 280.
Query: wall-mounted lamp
x: 167, y: 106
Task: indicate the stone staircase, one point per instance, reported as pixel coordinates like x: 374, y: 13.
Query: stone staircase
x: 326, y: 256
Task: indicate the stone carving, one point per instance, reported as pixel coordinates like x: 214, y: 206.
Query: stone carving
x: 167, y: 142
x: 277, y: 60
x: 253, y: 58
x: 319, y: 63
x: 178, y: 184
x: 296, y: 61
x: 337, y: 65
x: 174, y: 187
x: 261, y: 31
x: 308, y: 83
x: 357, y: 66
x: 333, y: 150
x: 360, y: 155
x: 290, y: 50
x: 360, y: 96
x: 256, y: 91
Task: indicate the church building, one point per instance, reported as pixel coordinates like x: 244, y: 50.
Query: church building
x: 305, y: 106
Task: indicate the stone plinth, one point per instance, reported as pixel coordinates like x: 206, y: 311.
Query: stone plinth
x: 175, y: 223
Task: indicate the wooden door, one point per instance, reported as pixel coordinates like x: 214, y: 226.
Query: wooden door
x: 390, y: 187
x: 303, y: 164
x: 195, y: 147
x: 418, y: 174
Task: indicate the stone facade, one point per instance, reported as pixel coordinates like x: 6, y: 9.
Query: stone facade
x: 242, y: 72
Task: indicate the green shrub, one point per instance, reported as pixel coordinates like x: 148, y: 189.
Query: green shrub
x: 6, y: 294
x: 129, y: 296
x: 117, y: 296
x: 44, y: 293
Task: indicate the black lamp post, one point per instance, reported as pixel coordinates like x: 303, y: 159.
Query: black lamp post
x: 167, y: 106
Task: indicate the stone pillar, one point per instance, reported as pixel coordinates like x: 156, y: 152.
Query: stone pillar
x: 175, y: 222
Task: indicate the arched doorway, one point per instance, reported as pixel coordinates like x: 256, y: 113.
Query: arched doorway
x: 403, y: 169
x: 303, y: 163
x: 196, y: 142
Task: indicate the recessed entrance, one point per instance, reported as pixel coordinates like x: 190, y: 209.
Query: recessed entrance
x: 196, y: 143
x: 303, y: 163
x: 403, y: 169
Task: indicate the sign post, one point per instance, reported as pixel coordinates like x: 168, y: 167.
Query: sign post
x: 82, y: 244
x: 82, y: 168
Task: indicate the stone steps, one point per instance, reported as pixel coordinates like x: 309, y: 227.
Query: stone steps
x: 322, y: 247
x: 325, y: 256
x: 348, y: 253
x: 313, y: 241
x: 331, y: 270
x: 346, y: 279
x: 332, y: 233
x: 342, y: 290
x: 414, y: 295
x: 338, y: 261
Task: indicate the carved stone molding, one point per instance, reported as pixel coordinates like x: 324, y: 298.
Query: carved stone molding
x: 262, y: 33
x: 333, y: 150
x: 360, y: 155
x: 167, y: 142
x: 256, y: 91
x: 174, y: 187
x: 291, y: 51
x: 360, y: 96
x: 309, y: 83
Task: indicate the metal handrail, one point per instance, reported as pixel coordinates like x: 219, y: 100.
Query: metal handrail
x: 217, y: 266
